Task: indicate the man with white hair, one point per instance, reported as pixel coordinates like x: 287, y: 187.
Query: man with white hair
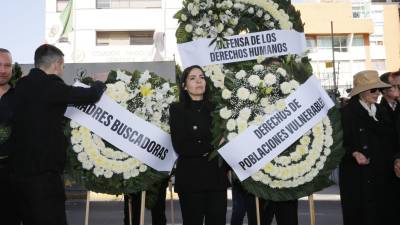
x: 7, y: 204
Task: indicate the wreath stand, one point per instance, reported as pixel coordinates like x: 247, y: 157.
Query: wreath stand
x: 310, y: 203
x: 142, y: 205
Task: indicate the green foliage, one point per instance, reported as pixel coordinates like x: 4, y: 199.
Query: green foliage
x: 5, y: 132
x: 16, y: 74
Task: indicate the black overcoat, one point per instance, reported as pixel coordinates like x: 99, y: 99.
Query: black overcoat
x: 191, y: 138
x: 362, y: 187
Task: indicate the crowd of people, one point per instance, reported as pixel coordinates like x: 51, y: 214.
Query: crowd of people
x: 32, y: 161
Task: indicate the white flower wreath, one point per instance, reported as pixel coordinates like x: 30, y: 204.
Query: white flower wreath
x: 146, y: 99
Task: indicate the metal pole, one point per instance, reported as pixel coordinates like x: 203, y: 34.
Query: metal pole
x: 333, y: 61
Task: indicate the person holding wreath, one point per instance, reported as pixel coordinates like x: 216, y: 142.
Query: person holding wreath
x: 200, y: 182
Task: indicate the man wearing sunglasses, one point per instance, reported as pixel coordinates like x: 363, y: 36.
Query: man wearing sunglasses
x: 390, y: 109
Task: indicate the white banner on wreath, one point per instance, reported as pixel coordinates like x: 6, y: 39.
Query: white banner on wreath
x: 242, y: 47
x: 254, y: 148
x: 126, y: 131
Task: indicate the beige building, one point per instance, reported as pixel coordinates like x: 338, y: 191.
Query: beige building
x: 366, y: 36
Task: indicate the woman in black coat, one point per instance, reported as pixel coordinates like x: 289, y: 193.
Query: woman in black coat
x: 201, y: 183
x: 362, y: 169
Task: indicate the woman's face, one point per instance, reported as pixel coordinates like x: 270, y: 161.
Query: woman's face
x: 370, y: 96
x: 195, y: 84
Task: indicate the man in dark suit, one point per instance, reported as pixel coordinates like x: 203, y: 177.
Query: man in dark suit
x: 7, y: 204
x: 39, y: 144
x: 390, y: 108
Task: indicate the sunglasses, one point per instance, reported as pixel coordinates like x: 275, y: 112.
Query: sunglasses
x: 374, y: 90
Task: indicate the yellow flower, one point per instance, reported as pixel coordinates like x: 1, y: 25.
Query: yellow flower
x: 268, y: 168
x: 146, y: 90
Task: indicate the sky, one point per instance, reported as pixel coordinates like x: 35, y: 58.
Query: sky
x: 22, y: 27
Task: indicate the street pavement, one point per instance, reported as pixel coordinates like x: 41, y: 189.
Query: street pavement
x: 108, y: 210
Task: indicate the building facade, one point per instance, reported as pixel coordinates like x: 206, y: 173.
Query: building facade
x: 366, y: 35
x: 114, y: 30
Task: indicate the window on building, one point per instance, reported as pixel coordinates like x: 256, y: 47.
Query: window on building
x: 61, y: 4
x: 311, y: 43
x: 104, y: 38
x: 115, y: 4
x: 378, y: 64
x: 339, y: 43
x: 361, y: 9
x: 358, y: 40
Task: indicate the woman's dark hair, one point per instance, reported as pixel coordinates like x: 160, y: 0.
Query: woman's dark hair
x: 184, y: 96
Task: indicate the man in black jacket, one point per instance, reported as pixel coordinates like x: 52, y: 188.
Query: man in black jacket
x: 7, y: 204
x: 390, y: 110
x: 39, y: 153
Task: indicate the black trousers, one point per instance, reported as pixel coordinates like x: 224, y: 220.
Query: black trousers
x: 8, y: 203
x: 157, y: 212
x: 41, y: 199
x: 244, y: 203
x: 285, y: 212
x: 203, y: 206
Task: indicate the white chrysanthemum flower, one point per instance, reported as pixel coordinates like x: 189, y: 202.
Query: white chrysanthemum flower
x: 108, y: 174
x: 259, y: 13
x: 145, y: 76
x: 258, y: 68
x: 231, y: 124
x: 281, y: 71
x: 241, y: 124
x: 260, y: 58
x: 198, y: 31
x: 77, y: 148
x: 280, y: 104
x: 73, y: 124
x: 257, y: 176
x: 234, y: 21
x: 270, y: 79
x: 268, y: 109
x: 254, y: 80
x: 82, y: 157
x: 267, y: 16
x: 134, y: 172
x: 142, y: 168
x: 264, y: 102
x: 305, y: 140
x: 226, y: 94
x: 98, y: 171
x: 231, y: 136
x: 87, y: 165
x: 252, y: 97
x: 123, y: 77
x: 189, y: 28
x: 243, y: 93
x: 183, y: 17
x: 220, y: 27
x: 230, y: 31
x: 245, y: 113
x: 225, y: 113
x: 241, y: 74
x: 328, y: 141
x: 127, y: 175
x: 294, y: 84
x: 250, y: 10
x: 285, y: 88
x: 258, y: 119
